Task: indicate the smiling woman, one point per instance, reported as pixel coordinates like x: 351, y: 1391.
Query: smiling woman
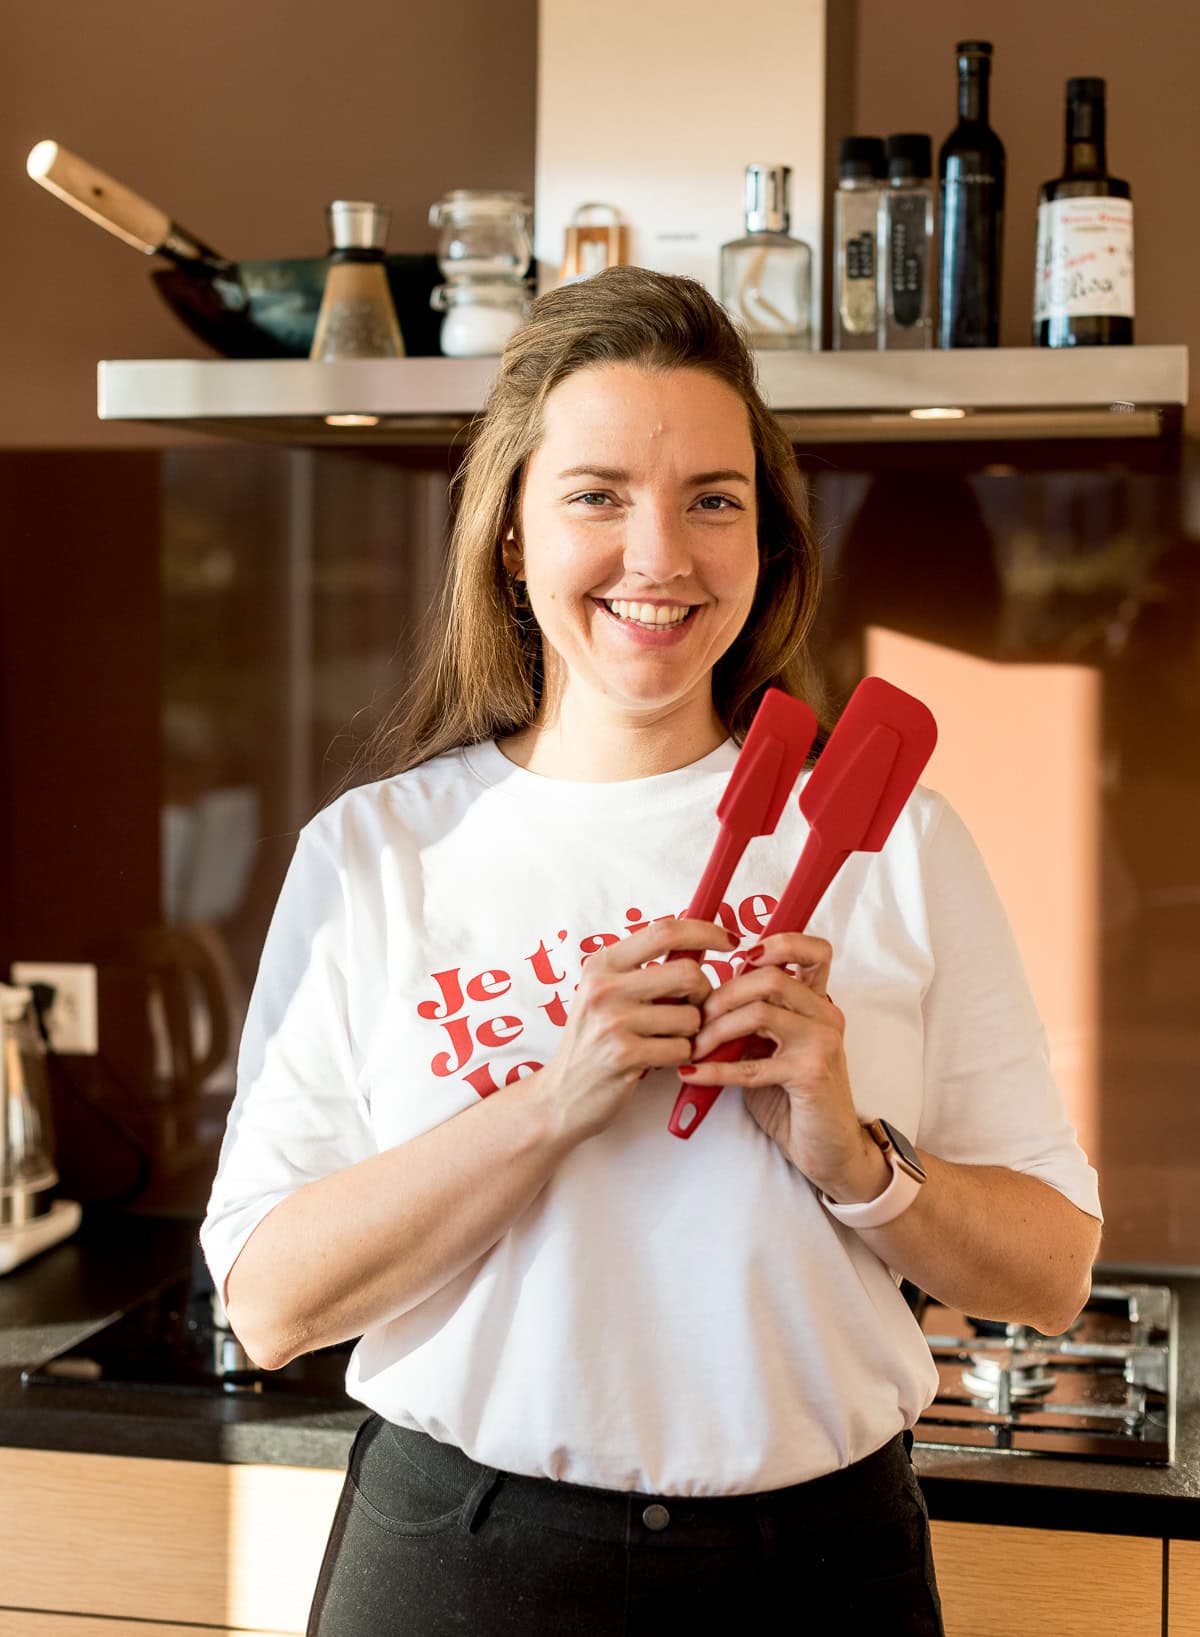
x: 625, y: 456
x: 618, y: 1383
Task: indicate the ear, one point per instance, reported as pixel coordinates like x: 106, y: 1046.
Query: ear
x: 510, y: 555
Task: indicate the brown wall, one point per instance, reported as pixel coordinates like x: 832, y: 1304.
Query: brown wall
x: 1147, y: 53
x: 242, y: 121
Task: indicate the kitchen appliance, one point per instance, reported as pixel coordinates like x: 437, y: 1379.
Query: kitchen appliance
x: 31, y: 1218
x: 177, y: 1339
x: 1104, y: 1390
x: 248, y: 309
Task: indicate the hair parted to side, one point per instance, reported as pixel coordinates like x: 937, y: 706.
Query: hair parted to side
x: 478, y: 672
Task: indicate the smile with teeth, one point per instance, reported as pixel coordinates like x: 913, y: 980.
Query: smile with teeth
x: 646, y: 613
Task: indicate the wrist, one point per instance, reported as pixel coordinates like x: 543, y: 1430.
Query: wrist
x: 862, y: 1181
x: 549, y: 1123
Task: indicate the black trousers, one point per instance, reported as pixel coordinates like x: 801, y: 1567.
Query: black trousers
x: 425, y: 1542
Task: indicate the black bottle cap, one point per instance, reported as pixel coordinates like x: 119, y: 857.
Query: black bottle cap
x: 1085, y: 90
x: 909, y: 157
x: 861, y: 159
x: 973, y: 48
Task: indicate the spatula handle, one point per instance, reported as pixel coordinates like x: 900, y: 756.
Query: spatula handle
x: 815, y: 870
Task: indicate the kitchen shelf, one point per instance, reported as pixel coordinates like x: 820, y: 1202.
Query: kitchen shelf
x: 993, y: 395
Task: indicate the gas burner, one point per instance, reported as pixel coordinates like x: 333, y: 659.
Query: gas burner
x: 991, y: 1378
x: 1104, y: 1389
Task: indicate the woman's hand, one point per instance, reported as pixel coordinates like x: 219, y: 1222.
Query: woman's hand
x: 799, y: 1092
x: 619, y: 1027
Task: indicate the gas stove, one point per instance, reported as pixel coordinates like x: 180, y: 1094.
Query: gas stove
x: 178, y: 1340
x: 1104, y: 1389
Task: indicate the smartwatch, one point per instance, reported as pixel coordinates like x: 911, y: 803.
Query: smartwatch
x: 908, y: 1175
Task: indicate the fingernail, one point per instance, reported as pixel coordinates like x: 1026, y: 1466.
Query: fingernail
x: 753, y: 954
x: 687, y: 1068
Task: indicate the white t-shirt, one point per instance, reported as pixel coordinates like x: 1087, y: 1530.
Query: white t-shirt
x: 670, y: 1316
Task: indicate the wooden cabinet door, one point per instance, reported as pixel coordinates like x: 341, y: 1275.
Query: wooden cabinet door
x: 996, y: 1580
x: 172, y: 1542
x: 1183, y: 1594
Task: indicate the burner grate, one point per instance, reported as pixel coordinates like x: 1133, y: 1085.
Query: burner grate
x: 1104, y: 1390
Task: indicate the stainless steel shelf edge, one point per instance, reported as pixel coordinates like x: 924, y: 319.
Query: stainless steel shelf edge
x: 997, y: 378
x: 167, y: 389
x: 1022, y: 393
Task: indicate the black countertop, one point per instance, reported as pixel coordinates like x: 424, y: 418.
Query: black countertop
x: 66, y: 1293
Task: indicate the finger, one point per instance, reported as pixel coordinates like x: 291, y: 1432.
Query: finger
x: 745, y: 1071
x: 778, y: 1014
x: 771, y: 983
x: 661, y: 1018
x: 655, y: 941
x: 683, y: 979
x: 759, y: 1017
x: 812, y: 957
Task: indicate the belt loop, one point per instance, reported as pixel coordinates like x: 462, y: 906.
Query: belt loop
x: 488, y: 1481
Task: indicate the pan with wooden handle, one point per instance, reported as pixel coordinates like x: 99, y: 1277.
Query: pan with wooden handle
x: 247, y: 309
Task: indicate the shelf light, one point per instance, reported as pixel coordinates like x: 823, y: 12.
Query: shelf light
x: 938, y: 414
x: 352, y: 420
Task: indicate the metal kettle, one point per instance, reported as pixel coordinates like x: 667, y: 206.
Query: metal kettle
x: 31, y: 1218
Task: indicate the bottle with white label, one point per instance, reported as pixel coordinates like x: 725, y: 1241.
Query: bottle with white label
x: 907, y: 248
x: 1083, y: 278
x: 861, y: 169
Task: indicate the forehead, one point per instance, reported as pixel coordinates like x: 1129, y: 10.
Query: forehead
x: 619, y: 411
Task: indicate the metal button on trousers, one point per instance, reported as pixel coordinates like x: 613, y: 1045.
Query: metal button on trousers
x: 656, y: 1517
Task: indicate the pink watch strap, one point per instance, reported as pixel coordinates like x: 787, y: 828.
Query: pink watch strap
x: 885, y: 1207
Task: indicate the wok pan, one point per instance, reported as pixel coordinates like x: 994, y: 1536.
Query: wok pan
x: 247, y: 309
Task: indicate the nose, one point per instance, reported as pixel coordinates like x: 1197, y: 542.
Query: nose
x: 657, y: 548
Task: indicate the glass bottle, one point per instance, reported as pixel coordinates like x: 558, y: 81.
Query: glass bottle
x: 855, y: 244
x: 971, y: 178
x: 906, y: 244
x: 1083, y: 280
x: 766, y: 277
x: 357, y: 317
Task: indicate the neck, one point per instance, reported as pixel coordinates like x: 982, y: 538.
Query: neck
x: 585, y: 744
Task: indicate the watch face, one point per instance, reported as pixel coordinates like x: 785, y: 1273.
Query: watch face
x: 904, y: 1149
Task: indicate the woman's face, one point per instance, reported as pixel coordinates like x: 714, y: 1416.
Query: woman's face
x: 642, y: 490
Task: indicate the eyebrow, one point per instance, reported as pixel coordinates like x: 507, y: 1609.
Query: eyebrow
x: 611, y: 474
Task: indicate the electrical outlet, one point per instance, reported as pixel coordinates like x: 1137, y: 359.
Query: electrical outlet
x: 72, y: 1021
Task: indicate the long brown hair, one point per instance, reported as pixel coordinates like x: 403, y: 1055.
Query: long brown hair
x: 478, y: 671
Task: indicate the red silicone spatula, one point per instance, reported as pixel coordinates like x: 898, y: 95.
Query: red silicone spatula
x: 770, y: 761
x: 851, y: 800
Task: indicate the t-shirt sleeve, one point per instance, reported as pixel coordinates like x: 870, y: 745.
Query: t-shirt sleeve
x: 990, y: 1095
x: 299, y: 1111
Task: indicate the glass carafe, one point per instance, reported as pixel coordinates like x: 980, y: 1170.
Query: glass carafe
x: 27, y: 1171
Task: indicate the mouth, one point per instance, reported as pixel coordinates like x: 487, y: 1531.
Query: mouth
x: 674, y: 622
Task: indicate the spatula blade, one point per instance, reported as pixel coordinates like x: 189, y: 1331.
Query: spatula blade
x: 897, y: 728
x: 771, y: 759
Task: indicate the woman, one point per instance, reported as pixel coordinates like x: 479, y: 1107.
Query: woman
x: 619, y: 1381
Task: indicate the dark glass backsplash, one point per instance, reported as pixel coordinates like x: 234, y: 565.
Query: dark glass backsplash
x: 1052, y: 620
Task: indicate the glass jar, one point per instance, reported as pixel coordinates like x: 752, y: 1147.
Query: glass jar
x: 480, y: 317
x: 483, y: 234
